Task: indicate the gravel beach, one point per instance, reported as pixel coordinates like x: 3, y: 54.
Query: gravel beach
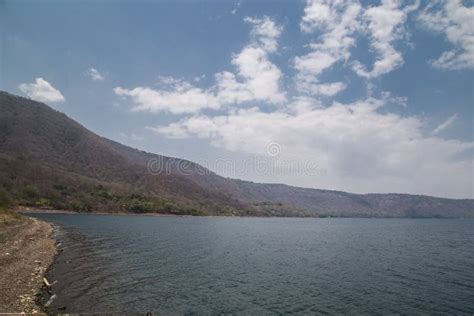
x: 27, y: 249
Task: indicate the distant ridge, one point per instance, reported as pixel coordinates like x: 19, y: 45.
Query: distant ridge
x: 49, y: 160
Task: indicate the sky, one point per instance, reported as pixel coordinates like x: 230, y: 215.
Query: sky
x: 358, y: 96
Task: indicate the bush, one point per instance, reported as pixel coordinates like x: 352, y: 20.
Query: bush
x: 5, y: 200
x: 139, y: 206
x: 30, y: 192
x: 80, y: 206
x: 194, y: 212
x: 42, y: 202
x: 102, y: 192
x: 59, y: 187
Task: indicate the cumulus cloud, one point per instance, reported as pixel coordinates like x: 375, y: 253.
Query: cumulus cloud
x: 441, y: 127
x: 94, y: 74
x: 385, y: 25
x: 260, y: 77
x: 183, y: 98
x: 338, y: 25
x: 455, y: 21
x: 361, y: 147
x: 312, y: 87
x: 337, y: 21
x: 256, y: 79
x: 41, y: 90
x: 264, y: 33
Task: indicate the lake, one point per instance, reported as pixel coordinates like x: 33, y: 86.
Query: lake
x: 211, y: 265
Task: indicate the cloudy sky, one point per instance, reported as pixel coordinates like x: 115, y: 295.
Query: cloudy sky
x: 360, y: 96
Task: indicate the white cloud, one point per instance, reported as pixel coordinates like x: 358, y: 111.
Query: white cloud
x: 199, y: 78
x: 183, y: 98
x: 303, y: 104
x: 261, y: 78
x: 169, y: 81
x: 361, y: 148
x: 308, y: 86
x: 132, y: 137
x: 441, y: 127
x: 94, y: 74
x: 338, y: 21
x: 385, y: 25
x: 264, y: 33
x: 456, y: 22
x: 316, y: 13
x: 256, y: 79
x: 41, y: 91
x: 236, y: 8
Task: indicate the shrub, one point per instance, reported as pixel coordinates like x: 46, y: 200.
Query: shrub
x: 5, y: 200
x: 102, y: 192
x: 30, y: 192
x: 139, y: 206
x: 42, y: 202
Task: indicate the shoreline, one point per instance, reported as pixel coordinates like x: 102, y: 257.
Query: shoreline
x: 24, y: 211
x: 41, y: 211
x: 48, y: 294
x: 28, y: 250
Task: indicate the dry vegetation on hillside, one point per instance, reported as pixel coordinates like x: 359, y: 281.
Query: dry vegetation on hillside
x: 48, y: 160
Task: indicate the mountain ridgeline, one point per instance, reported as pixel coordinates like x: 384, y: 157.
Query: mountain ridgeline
x: 48, y: 160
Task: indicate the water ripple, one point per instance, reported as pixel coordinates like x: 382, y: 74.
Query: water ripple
x: 264, y: 266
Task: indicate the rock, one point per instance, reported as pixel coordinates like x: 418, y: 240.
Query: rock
x: 46, y: 283
x: 50, y: 301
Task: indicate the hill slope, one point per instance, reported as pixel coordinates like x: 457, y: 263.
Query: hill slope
x: 49, y: 160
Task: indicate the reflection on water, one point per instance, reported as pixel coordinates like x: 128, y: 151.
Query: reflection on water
x: 178, y: 265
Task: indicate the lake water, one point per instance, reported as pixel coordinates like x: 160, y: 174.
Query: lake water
x: 211, y: 265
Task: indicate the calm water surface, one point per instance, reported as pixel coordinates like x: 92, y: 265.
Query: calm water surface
x: 178, y: 265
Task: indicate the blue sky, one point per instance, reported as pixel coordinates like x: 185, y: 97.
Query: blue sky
x: 372, y: 96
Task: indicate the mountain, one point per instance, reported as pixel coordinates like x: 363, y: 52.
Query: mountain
x: 49, y: 160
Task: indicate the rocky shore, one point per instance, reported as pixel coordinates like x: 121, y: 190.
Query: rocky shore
x: 27, y: 249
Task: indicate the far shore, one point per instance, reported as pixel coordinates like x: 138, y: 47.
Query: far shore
x: 48, y: 211
x: 26, y: 210
x: 45, y: 211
